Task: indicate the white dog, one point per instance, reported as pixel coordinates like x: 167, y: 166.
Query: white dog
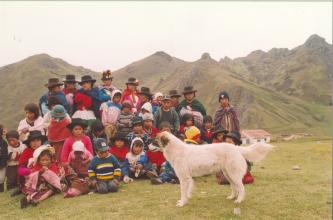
x: 191, y: 160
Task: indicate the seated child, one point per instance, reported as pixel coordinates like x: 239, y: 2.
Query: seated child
x: 118, y: 149
x: 44, y: 180
x: 168, y: 175
x: 207, y: 130
x: 104, y: 169
x: 124, y: 122
x: 218, y: 134
x: 77, y: 180
x: 138, y: 132
x: 57, y: 130
x: 136, y: 161
x: 148, y: 125
x: 192, y: 135
x: 3, y: 159
x: 15, y: 149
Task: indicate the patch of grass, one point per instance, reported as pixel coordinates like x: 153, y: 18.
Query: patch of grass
x: 277, y: 193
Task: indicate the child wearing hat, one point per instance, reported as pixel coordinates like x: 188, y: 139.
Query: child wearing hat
x: 3, y: 159
x: 130, y: 93
x: 145, y: 97
x: 15, y: 150
x: 54, y: 87
x: 110, y: 112
x: 174, y: 98
x: 57, y: 130
x: 136, y: 161
x: 104, y: 169
x: 146, y: 109
x: 44, y: 179
x: 192, y: 135
x: 190, y: 105
x: 148, y: 125
x: 77, y: 127
x: 124, y: 122
x: 166, y: 113
x: 218, y: 134
x: 226, y: 115
x: 119, y: 149
x: 97, y: 130
x: 70, y: 88
x: 32, y: 121
x: 207, y: 130
x: 137, y: 131
x: 52, y: 101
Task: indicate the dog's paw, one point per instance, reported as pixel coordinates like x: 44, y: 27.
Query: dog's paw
x: 180, y: 203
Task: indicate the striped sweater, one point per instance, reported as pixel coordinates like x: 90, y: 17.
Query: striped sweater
x: 106, y: 168
x: 124, y: 123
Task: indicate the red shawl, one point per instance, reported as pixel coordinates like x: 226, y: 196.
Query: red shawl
x: 57, y: 130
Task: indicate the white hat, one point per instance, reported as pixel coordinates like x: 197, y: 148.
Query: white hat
x: 147, y: 106
x: 147, y: 116
x: 158, y: 94
x: 78, y: 146
x: 40, y: 149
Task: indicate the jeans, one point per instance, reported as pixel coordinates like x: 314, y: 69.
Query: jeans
x: 103, y: 186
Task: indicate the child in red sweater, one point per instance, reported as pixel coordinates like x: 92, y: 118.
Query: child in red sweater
x: 119, y: 149
x: 148, y: 125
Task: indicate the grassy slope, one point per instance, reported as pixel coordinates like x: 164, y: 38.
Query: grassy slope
x: 278, y: 193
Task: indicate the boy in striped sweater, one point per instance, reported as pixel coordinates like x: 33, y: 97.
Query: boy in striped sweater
x: 104, y: 169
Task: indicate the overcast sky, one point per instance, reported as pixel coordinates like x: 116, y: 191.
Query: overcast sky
x: 102, y: 35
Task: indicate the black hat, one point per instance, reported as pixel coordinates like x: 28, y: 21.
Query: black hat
x: 75, y: 122
x: 70, y: 79
x: 132, y: 81
x: 189, y: 89
x: 53, y: 82
x: 136, y: 120
x: 235, y: 135
x: 174, y: 93
x: 87, y: 78
x: 219, y: 130
x: 145, y: 91
x: 34, y: 135
x: 107, y: 75
x: 223, y: 94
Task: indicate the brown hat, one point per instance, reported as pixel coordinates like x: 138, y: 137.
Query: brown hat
x: 87, y: 78
x: 174, y: 93
x: 70, y: 79
x: 53, y: 82
x: 189, y: 89
x: 107, y: 75
x: 132, y: 81
x: 145, y: 91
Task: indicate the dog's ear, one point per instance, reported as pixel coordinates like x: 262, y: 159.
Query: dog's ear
x: 164, y: 140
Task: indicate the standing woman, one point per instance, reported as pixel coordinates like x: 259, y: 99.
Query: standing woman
x: 131, y: 94
x: 69, y: 91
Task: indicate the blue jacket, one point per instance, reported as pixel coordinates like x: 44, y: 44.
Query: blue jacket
x: 98, y: 96
x: 43, y: 101
x: 143, y: 160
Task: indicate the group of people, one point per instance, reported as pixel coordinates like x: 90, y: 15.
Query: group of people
x: 82, y: 138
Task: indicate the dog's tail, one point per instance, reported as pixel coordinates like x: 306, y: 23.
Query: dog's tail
x: 256, y: 152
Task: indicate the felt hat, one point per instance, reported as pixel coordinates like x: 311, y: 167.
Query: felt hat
x: 107, y: 75
x: 145, y: 91
x: 174, y: 93
x: 189, y: 89
x: 34, y: 135
x: 53, y: 82
x: 75, y: 122
x: 235, y: 136
x: 58, y: 111
x: 132, y: 81
x: 70, y: 79
x: 219, y: 130
x: 87, y: 78
x: 223, y: 94
x: 101, y: 144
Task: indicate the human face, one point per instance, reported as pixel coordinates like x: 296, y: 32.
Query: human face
x: 116, y: 99
x: 208, y: 125
x: 13, y: 142
x: 119, y: 143
x: 126, y: 110
x: 30, y: 116
x: 107, y: 82
x: 137, y: 149
x: 219, y: 137
x: 189, y: 122
x: 229, y: 140
x: 144, y: 98
x: 77, y: 131
x: 148, y: 124
x: 137, y: 128
x: 166, y: 104
x: 189, y: 96
x: 102, y: 154
x: 131, y: 87
x: 56, y: 89
x: 86, y: 85
x: 175, y: 100
x: 45, y: 160
x: 224, y: 102
x: 35, y: 143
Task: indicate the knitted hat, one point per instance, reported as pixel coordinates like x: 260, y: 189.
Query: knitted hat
x: 58, y: 111
x: 78, y: 146
x: 147, y: 116
x: 236, y: 137
x: 41, y: 149
x: 192, y: 133
x: 136, y: 120
x: 223, y: 94
x: 101, y: 144
x: 125, y: 104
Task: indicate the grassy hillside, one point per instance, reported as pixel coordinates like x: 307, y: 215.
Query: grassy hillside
x: 277, y: 193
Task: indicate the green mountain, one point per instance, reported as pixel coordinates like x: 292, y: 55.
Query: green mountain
x: 280, y: 90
